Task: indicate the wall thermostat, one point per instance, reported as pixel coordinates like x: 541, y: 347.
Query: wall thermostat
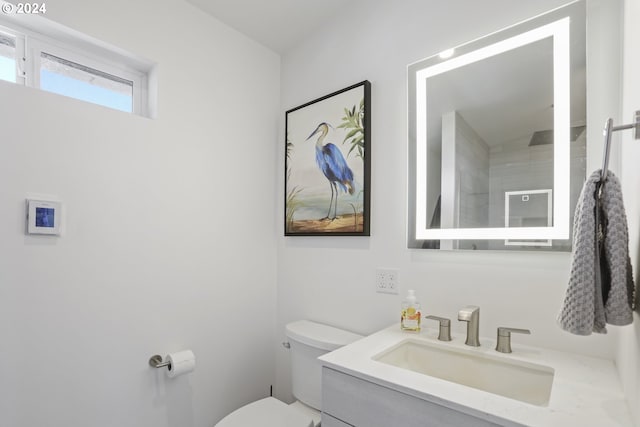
x: 44, y: 217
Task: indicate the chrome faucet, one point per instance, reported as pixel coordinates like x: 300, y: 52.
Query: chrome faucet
x: 471, y: 315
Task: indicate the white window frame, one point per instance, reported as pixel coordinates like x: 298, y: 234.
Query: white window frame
x: 79, y: 49
x: 36, y: 46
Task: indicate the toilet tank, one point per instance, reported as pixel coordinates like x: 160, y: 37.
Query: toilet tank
x: 310, y: 340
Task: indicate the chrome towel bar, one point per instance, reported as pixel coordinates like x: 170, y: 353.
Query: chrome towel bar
x: 609, y: 128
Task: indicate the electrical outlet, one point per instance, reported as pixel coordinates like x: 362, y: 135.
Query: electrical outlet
x: 387, y: 281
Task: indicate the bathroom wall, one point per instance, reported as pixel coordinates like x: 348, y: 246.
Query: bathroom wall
x: 331, y: 279
x: 629, y: 348
x: 170, y: 231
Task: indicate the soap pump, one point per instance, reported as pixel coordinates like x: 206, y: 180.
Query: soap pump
x: 410, y: 317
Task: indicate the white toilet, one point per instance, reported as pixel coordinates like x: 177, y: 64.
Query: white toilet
x: 308, y: 340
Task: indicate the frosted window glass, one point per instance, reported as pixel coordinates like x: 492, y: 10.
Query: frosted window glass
x: 77, y: 81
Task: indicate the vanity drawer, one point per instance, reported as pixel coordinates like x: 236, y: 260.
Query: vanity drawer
x: 329, y: 421
x: 364, y: 404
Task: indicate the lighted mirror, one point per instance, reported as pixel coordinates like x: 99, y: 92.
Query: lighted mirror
x: 497, y: 131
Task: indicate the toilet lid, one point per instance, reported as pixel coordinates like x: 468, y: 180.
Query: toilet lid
x: 267, y: 412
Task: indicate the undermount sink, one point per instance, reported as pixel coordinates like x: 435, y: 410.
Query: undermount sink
x: 523, y: 381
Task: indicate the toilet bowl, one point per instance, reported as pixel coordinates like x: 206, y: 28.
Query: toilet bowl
x: 268, y: 412
x: 308, y: 340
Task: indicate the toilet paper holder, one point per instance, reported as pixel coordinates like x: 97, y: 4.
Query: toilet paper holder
x: 179, y: 363
x: 156, y: 362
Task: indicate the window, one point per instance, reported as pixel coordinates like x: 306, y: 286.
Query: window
x: 64, y: 77
x: 7, y: 57
x: 86, y: 70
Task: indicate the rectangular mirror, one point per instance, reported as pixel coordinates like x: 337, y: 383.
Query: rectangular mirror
x: 497, y: 132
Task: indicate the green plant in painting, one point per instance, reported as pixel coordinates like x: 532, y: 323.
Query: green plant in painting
x: 292, y: 195
x: 357, y: 208
x: 353, y: 122
x: 289, y: 150
x: 292, y: 205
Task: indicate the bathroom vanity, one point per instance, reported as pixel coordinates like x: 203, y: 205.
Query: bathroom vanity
x: 365, y: 403
x: 385, y: 379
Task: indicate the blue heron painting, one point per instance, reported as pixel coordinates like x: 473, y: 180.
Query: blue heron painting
x: 334, y: 167
x: 319, y: 154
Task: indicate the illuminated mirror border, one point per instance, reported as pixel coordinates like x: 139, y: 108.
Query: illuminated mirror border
x: 560, y: 33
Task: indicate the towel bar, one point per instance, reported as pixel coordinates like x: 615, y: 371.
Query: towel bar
x: 609, y: 128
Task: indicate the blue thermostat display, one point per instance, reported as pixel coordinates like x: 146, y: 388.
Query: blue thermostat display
x: 43, y: 217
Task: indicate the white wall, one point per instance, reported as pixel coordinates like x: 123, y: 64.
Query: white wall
x: 330, y: 279
x: 169, y: 239
x: 629, y: 349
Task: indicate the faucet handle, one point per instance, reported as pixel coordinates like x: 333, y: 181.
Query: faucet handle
x: 506, y: 332
x: 503, y: 344
x: 444, y: 334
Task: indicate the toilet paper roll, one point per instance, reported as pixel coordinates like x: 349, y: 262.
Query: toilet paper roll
x: 182, y: 362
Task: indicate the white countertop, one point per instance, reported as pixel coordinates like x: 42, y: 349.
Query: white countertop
x: 586, y: 390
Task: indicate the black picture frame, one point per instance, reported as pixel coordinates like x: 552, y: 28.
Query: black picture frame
x: 328, y: 165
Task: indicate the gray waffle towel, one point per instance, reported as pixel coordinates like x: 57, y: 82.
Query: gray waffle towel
x: 601, y: 288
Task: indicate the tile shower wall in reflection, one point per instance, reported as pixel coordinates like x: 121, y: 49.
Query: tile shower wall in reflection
x: 517, y: 166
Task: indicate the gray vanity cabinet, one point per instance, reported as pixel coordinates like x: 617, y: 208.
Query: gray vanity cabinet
x: 329, y: 421
x: 351, y: 401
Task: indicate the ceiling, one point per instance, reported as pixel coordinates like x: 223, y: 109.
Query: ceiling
x: 276, y: 24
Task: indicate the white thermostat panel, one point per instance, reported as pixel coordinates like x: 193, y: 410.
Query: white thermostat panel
x: 44, y: 217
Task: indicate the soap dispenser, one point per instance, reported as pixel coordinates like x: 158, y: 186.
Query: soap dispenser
x: 410, y: 317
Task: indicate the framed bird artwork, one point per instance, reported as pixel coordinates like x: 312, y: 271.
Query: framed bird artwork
x: 328, y: 165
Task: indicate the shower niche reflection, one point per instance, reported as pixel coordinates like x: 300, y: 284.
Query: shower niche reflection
x: 529, y: 208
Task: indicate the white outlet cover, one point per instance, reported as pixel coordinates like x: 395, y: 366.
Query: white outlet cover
x: 386, y: 281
